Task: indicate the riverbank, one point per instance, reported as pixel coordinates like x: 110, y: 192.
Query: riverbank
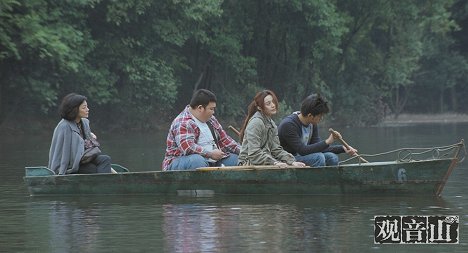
x: 425, y: 118
x: 45, y: 126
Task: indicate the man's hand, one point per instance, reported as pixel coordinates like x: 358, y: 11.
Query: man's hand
x: 351, y: 151
x: 216, y: 154
x: 330, y: 139
x: 298, y: 164
x: 281, y: 164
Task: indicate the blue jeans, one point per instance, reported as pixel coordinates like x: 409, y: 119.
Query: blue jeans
x: 319, y: 159
x: 191, y: 162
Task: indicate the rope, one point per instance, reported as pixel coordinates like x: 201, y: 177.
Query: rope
x: 407, y: 154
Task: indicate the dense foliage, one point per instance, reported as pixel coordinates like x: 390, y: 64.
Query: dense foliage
x: 139, y: 61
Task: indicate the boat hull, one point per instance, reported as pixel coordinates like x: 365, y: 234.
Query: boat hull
x: 386, y: 178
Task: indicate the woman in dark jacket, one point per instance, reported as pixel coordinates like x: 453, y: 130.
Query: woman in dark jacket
x: 68, y: 142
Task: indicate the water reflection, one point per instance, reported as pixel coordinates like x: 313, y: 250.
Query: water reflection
x: 214, y: 224
x: 60, y: 226
x: 149, y: 223
x: 285, y: 223
x: 190, y: 228
x: 72, y: 228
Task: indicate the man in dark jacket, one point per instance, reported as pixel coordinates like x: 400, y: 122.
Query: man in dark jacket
x: 298, y: 134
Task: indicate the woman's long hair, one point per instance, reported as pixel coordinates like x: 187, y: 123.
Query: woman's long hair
x: 257, y: 104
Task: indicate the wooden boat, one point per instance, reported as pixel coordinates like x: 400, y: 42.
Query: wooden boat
x: 403, y: 176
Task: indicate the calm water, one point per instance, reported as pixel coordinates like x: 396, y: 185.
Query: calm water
x: 220, y: 223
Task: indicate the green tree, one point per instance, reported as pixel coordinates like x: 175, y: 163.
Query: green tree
x: 40, y: 42
x: 382, y: 53
x: 139, y: 61
x: 140, y: 48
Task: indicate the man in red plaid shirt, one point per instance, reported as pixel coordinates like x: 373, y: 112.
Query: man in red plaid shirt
x: 196, y: 139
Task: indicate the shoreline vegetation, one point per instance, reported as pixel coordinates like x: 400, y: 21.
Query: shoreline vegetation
x: 408, y: 118
x: 26, y: 125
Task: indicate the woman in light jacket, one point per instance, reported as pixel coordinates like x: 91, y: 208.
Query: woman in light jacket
x: 259, y: 135
x: 67, y: 146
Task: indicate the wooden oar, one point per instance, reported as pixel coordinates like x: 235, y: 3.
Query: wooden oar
x: 234, y: 130
x: 340, y: 139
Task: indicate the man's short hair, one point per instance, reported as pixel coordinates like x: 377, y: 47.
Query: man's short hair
x: 202, y: 97
x: 315, y: 105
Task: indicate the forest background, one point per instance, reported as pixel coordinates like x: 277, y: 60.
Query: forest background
x: 139, y: 61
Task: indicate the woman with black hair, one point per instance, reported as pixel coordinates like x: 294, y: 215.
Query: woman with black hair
x: 68, y: 142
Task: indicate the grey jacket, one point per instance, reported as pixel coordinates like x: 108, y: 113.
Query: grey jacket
x: 67, y: 147
x: 261, y: 145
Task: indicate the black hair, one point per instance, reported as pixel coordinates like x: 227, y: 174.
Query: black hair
x: 70, y: 106
x: 315, y: 105
x: 202, y: 97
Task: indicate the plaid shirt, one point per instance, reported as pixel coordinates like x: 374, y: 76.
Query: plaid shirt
x: 183, y: 137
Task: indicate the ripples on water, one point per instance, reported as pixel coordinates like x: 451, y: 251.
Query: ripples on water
x: 212, y: 224
x: 206, y: 224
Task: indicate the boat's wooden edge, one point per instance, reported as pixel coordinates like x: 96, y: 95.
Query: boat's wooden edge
x: 452, y: 166
x: 38, y: 171
x: 274, y: 167
x: 270, y: 167
x: 248, y: 167
x: 260, y: 167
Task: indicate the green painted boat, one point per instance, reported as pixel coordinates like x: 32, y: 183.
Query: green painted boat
x: 404, y: 176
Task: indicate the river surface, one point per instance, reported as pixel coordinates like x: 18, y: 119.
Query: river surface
x: 153, y: 223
